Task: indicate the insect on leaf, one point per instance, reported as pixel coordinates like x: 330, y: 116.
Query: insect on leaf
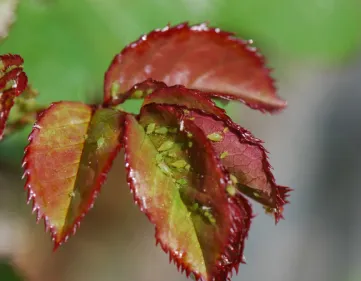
x: 245, y: 158
x: 182, y: 189
x: 71, y: 150
x: 197, y: 57
x: 239, y: 151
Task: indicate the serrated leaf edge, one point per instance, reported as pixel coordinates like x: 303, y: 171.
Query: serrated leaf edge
x: 31, y: 196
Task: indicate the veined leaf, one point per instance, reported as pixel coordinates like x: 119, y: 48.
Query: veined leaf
x: 71, y: 150
x: 182, y: 188
x: 13, y: 82
x: 245, y: 158
x: 197, y: 57
x: 239, y: 151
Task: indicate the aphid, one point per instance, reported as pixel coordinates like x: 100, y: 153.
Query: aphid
x: 166, y: 146
x: 215, y: 136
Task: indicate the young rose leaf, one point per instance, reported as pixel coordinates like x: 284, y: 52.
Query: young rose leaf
x: 197, y: 57
x: 71, y: 150
x: 241, y: 154
x: 245, y: 158
x: 13, y: 82
x: 179, y: 95
x: 182, y: 188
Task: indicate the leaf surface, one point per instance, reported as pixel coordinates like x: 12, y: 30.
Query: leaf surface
x: 197, y: 57
x: 239, y: 151
x: 13, y: 82
x: 245, y: 158
x: 182, y: 188
x: 71, y: 150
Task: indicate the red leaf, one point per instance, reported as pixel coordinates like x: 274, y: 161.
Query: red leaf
x: 181, y: 96
x: 71, y: 150
x: 197, y: 57
x: 182, y: 188
x: 240, y: 152
x: 13, y: 82
x: 245, y: 158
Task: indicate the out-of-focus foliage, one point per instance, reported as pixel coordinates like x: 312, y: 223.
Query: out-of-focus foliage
x: 7, y: 273
x: 7, y: 16
x: 315, y: 29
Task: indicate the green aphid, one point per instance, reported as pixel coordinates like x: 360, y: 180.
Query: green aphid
x: 137, y: 94
x: 150, y: 128
x: 179, y: 164
x: 225, y: 130
x: 172, y: 154
x: 159, y: 158
x: 190, y: 144
x: 210, y: 217
x: 186, y: 111
x: 164, y: 168
x: 166, y: 146
x: 195, y: 207
x: 100, y: 142
x: 187, y: 167
x: 231, y: 190
x: 233, y: 179
x: 224, y: 154
x: 256, y: 194
x: 189, y: 135
x: 115, y: 89
x: 161, y: 130
x: 149, y: 91
x: 215, y: 136
x: 212, y: 220
x: 182, y: 181
x: 173, y: 130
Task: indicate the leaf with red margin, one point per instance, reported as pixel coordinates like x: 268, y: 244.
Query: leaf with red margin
x: 181, y: 96
x: 240, y: 152
x: 198, y: 57
x: 13, y: 82
x: 71, y: 150
x: 245, y: 158
x: 201, y: 225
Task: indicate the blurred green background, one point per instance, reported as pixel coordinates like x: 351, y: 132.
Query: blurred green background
x: 68, y: 44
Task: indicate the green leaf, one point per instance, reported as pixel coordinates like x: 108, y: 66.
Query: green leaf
x: 183, y: 191
x: 239, y: 151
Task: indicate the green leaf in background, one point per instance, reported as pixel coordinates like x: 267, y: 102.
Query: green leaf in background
x: 326, y: 30
x: 7, y: 273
